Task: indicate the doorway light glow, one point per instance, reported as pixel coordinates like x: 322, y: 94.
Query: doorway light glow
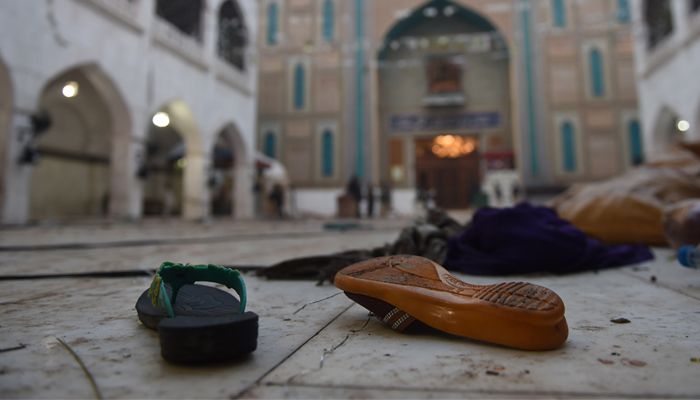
x: 161, y: 119
x: 70, y: 89
x: 683, y: 125
x: 452, y: 146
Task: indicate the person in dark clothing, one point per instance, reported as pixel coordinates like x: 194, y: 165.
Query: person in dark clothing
x: 385, y: 197
x: 355, y: 191
x: 370, y: 200
x: 277, y: 197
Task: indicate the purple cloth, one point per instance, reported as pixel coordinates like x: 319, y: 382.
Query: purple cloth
x: 525, y: 239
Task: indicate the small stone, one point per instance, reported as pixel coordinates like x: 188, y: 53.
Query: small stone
x: 653, y: 278
x: 489, y: 372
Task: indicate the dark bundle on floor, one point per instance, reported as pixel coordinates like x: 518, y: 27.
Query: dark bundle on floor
x: 426, y: 237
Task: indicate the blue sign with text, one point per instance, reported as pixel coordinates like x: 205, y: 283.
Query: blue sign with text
x: 417, y: 123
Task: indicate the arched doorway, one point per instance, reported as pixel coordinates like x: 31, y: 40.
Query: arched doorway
x: 173, y: 167
x: 229, y: 177
x: 457, y: 108
x: 233, y: 35
x: 221, y: 178
x: 6, y: 105
x: 75, y: 176
x: 666, y: 132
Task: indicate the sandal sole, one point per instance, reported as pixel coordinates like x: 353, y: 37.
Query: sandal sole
x: 515, y: 314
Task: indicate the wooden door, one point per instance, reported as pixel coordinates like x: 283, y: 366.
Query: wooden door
x: 454, y: 177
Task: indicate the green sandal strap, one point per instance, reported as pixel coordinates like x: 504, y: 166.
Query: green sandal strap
x: 178, y: 275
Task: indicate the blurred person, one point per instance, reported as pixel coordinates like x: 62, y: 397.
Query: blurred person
x: 385, y: 197
x: 277, y: 198
x: 370, y: 200
x: 355, y: 191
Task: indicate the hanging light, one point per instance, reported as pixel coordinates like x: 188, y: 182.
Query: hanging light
x: 70, y: 89
x: 452, y: 146
x: 161, y: 119
x: 683, y: 125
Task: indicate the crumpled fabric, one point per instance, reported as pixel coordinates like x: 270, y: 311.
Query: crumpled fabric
x: 526, y: 239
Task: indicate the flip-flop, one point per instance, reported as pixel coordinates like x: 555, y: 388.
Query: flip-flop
x: 403, y: 289
x: 198, y: 323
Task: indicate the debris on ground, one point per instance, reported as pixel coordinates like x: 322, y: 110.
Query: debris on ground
x: 425, y: 237
x: 632, y: 363
x: 620, y: 321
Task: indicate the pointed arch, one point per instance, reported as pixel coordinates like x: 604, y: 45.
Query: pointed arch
x: 299, y: 87
x: 327, y: 151
x: 559, y: 13
x: 634, y: 133
x: 568, y: 140
x: 665, y: 132
x: 178, y: 162
x: 233, y: 34
x: 270, y: 144
x: 467, y: 15
x: 658, y: 19
x: 624, y: 14
x: 230, y: 179
x: 272, y: 23
x: 595, y: 59
x: 89, y: 142
x: 328, y: 20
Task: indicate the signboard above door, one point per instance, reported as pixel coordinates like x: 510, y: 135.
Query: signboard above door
x: 451, y: 122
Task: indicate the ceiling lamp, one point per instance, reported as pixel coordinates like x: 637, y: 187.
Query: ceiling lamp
x: 70, y: 89
x: 161, y: 119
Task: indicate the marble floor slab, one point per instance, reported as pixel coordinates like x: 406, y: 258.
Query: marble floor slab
x: 96, y: 317
x: 242, y: 251
x: 652, y: 356
x: 648, y: 357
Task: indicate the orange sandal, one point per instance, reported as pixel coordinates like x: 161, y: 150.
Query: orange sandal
x: 402, y: 289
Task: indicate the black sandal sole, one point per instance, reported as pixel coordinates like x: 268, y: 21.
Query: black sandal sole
x: 207, y: 326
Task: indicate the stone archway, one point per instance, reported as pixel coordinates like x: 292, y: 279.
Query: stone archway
x: 459, y: 64
x: 173, y: 172
x: 665, y: 132
x: 231, y: 172
x: 6, y: 105
x: 90, y: 128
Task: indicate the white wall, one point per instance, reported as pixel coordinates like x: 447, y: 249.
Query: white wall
x: 667, y: 75
x: 39, y: 40
x: 318, y: 202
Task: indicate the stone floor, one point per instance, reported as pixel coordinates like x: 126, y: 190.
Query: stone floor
x: 653, y: 356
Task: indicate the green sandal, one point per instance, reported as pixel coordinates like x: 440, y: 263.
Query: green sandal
x: 198, y: 323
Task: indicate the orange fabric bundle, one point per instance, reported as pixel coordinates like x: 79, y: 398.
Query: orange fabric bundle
x: 628, y: 208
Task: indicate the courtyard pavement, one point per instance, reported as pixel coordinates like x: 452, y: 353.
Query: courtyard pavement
x: 655, y: 355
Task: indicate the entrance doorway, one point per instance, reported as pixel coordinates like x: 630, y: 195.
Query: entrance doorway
x: 163, y: 188
x: 447, y: 167
x: 221, y: 180
x: 72, y: 178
